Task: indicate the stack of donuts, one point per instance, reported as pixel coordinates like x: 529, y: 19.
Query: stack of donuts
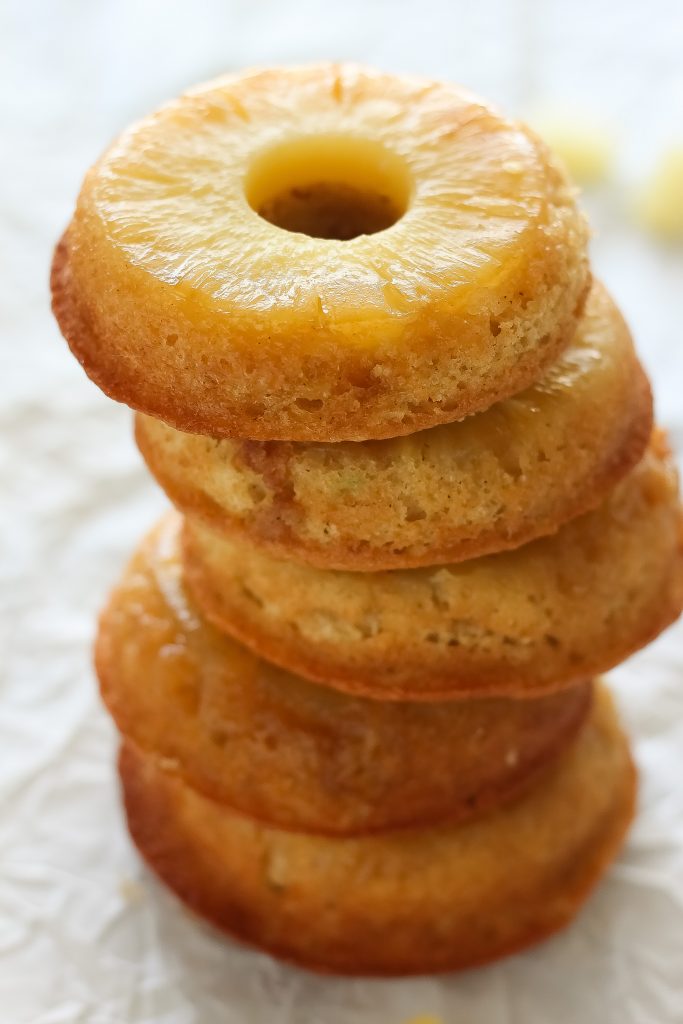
x: 420, y: 507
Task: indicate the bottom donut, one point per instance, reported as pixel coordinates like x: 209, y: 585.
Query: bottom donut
x: 411, y: 902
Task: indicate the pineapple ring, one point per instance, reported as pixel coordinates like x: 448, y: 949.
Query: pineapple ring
x: 519, y: 623
x: 493, y: 481
x: 298, y: 755
x: 453, y: 275
x: 407, y: 902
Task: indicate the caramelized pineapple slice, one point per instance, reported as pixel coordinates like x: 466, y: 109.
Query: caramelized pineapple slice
x: 320, y: 253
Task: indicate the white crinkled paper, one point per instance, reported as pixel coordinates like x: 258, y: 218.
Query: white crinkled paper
x: 86, y: 934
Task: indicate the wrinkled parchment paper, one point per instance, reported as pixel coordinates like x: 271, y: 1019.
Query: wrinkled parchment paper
x: 86, y: 935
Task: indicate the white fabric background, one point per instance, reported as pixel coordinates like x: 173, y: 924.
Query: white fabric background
x: 85, y: 934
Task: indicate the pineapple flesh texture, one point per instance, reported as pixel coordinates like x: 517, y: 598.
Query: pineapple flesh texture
x: 339, y: 197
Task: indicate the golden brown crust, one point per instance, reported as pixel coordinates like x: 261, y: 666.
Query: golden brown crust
x: 490, y: 483
x: 407, y: 903
x: 198, y: 400
x: 179, y: 342
x: 519, y: 623
x: 294, y: 754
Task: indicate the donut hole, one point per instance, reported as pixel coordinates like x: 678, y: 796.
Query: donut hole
x: 329, y: 186
x: 330, y: 210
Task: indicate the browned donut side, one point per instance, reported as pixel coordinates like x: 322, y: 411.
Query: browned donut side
x: 294, y: 754
x: 410, y: 903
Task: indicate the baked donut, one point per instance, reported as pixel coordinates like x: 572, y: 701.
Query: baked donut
x: 519, y: 623
x: 405, y: 903
x: 294, y: 754
x: 493, y: 481
x: 321, y: 253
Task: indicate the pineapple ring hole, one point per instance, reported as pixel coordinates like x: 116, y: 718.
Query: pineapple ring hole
x: 329, y: 186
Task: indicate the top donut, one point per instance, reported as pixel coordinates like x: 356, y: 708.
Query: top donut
x: 321, y: 253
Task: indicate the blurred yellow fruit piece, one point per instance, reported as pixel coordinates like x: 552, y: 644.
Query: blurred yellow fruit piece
x: 425, y: 1018
x: 660, y: 209
x: 585, y: 147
